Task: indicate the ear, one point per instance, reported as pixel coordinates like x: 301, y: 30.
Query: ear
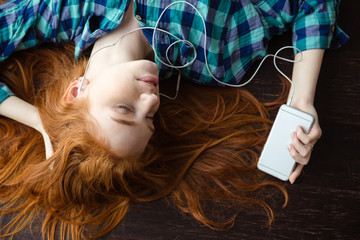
x: 71, y: 93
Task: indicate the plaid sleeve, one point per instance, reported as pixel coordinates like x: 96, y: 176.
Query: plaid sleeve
x: 17, y: 18
x: 315, y: 25
x: 25, y: 24
x: 5, y: 92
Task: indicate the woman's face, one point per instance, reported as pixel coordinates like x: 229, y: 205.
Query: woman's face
x: 123, y: 100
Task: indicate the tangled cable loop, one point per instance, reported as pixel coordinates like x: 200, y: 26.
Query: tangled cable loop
x: 190, y: 44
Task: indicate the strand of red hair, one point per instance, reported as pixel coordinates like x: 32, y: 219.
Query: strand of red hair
x: 202, y: 156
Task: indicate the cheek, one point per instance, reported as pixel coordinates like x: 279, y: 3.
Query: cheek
x: 118, y: 92
x: 100, y: 96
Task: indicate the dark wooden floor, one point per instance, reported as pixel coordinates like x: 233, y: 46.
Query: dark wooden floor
x: 325, y: 202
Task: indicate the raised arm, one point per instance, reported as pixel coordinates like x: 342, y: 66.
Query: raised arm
x: 25, y: 113
x: 305, y: 76
x: 26, y: 24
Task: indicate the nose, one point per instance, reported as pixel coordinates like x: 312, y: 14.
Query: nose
x: 149, y: 102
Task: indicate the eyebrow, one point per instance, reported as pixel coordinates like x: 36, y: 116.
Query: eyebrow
x: 129, y: 123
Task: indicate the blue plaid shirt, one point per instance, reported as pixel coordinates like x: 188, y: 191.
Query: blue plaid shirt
x: 238, y: 31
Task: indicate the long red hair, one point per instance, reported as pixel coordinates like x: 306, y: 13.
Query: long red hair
x: 204, y: 153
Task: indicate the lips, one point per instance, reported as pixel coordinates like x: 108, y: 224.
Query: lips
x: 150, y: 80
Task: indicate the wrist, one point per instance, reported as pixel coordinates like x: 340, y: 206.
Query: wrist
x: 303, y: 105
x: 38, y: 126
x: 302, y: 101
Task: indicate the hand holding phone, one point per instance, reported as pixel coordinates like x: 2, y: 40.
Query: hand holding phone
x: 275, y: 158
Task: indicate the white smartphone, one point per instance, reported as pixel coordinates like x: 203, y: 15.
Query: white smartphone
x: 275, y: 158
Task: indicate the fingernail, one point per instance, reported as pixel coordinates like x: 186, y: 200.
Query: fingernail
x: 289, y: 147
x: 292, y: 182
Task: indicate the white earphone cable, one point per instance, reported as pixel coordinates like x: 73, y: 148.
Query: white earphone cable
x: 189, y: 44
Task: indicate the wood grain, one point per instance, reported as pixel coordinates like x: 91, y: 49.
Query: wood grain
x: 325, y: 202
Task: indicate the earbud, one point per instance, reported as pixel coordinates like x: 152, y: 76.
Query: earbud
x: 81, y: 83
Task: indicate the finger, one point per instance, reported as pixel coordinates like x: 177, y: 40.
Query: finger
x: 303, y: 149
x: 48, y: 146
x: 304, y: 160
x: 296, y: 173
x: 311, y: 137
x: 304, y: 138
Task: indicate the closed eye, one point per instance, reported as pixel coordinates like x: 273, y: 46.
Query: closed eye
x: 126, y: 108
x: 129, y: 109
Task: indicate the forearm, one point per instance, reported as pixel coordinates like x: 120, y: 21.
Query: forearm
x: 305, y: 76
x: 25, y: 113
x: 22, y: 112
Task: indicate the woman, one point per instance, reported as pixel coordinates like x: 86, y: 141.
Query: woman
x: 115, y: 106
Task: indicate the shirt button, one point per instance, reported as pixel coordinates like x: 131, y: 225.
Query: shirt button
x: 138, y: 17
x: 333, y: 28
